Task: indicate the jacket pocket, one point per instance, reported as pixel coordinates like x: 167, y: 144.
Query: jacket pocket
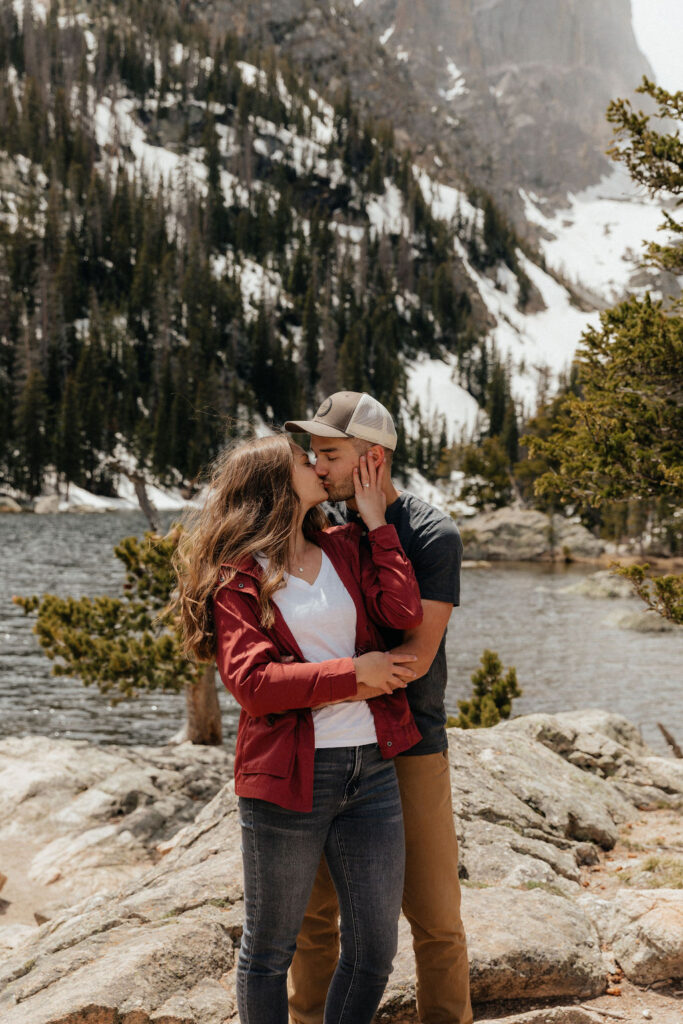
x: 269, y: 745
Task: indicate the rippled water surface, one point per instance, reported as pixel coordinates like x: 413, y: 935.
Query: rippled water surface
x: 566, y: 652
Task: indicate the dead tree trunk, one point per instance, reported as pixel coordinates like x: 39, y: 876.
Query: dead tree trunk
x: 138, y: 481
x: 148, y: 509
x: 670, y: 740
x: 204, y: 724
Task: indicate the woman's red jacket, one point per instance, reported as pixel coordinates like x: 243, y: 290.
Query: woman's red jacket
x: 274, y: 756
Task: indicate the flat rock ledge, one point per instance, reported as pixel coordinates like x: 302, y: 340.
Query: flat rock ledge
x: 538, y: 800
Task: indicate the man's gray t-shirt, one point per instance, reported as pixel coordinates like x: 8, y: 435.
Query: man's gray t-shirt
x: 431, y: 541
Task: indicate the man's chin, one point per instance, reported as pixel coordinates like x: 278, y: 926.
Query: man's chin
x: 340, y: 493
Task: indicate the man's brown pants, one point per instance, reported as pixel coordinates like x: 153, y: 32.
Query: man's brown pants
x: 431, y: 903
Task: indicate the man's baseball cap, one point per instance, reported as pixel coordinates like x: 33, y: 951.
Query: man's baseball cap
x: 350, y: 414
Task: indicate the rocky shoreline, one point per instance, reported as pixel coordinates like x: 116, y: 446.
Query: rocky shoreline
x: 126, y: 905
x: 510, y: 534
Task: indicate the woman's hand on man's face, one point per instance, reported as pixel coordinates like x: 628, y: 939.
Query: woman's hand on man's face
x: 371, y: 501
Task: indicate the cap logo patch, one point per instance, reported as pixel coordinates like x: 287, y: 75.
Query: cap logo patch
x: 325, y: 407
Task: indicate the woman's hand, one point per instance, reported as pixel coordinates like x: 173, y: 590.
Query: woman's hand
x: 371, y: 501
x: 383, y: 671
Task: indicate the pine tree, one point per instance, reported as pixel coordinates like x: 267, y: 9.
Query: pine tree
x: 310, y: 335
x: 497, y: 399
x: 492, y: 695
x: 621, y: 435
x: 162, y: 455
x: 123, y: 645
x: 68, y: 454
x: 215, y: 200
x: 509, y: 435
x: 488, y: 483
x: 29, y: 430
x: 375, y: 179
x: 261, y: 378
x: 351, y: 368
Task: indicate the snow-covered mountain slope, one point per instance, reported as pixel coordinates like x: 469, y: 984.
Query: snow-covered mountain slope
x: 536, y: 346
x: 594, y: 243
x: 591, y: 243
x: 163, y: 133
x: 596, y: 239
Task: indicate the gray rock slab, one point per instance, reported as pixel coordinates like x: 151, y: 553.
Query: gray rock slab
x: 552, y: 1015
x: 527, y: 817
x: 601, y: 585
x: 8, y: 504
x: 502, y: 775
x: 533, y: 943
x: 95, y: 815
x: 643, y: 621
x: 129, y: 971
x: 520, y: 945
x: 210, y: 1001
x: 47, y: 504
x: 609, y: 724
x: 491, y: 853
x: 609, y: 746
x: 514, y: 534
x: 645, y: 930
x: 164, y: 942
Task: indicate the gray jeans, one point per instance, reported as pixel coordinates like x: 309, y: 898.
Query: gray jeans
x: 356, y: 821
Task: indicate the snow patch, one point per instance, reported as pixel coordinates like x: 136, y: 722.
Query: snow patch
x: 433, y: 383
x: 164, y: 500
x: 115, y: 120
x: 457, y: 86
x: 532, y: 344
x: 448, y: 203
x: 385, y: 212
x: 597, y: 241
x: 386, y: 36
x: 250, y: 74
x: 444, y: 494
x: 257, y: 284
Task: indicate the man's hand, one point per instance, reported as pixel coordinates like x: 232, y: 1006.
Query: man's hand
x: 384, y: 670
x: 424, y: 640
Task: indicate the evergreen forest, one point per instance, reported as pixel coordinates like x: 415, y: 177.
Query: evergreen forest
x: 148, y: 316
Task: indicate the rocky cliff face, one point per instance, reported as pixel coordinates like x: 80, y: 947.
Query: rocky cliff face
x: 529, y: 79
x: 510, y: 92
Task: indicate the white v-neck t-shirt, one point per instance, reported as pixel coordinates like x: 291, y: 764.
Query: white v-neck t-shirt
x: 322, y: 619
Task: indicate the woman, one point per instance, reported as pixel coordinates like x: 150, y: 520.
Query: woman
x: 281, y: 604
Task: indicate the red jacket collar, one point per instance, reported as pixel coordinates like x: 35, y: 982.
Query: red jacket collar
x: 250, y: 567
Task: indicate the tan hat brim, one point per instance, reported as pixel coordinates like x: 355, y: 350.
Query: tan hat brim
x: 313, y: 427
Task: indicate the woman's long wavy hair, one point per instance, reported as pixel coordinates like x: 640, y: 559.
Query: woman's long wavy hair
x: 252, y: 506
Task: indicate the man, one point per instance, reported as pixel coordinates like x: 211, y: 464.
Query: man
x: 349, y: 426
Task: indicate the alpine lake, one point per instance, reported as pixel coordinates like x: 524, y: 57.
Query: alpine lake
x: 567, y: 648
